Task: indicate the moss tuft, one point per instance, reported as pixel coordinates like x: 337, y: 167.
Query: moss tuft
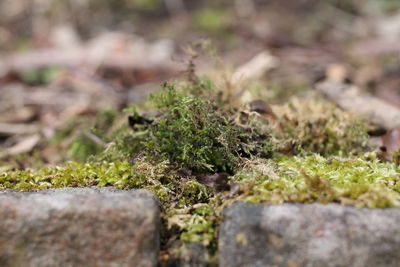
x: 318, y: 126
x: 197, y: 134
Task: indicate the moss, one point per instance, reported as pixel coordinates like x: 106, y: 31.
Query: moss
x: 195, y: 133
x: 313, y: 125
x: 193, y: 211
x: 361, y: 181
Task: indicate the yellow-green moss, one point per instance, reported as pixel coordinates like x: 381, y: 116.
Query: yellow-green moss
x: 361, y: 181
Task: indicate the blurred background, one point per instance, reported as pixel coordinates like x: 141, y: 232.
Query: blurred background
x: 66, y: 65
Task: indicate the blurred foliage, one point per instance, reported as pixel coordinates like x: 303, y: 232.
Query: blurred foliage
x: 85, y: 137
x: 143, y: 5
x: 21, y: 19
x: 214, y: 20
x: 40, y: 76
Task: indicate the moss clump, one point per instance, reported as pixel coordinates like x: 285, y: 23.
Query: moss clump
x: 199, y: 135
x: 316, y: 126
x: 191, y: 132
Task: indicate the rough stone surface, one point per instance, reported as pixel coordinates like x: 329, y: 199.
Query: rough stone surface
x: 309, y: 235
x: 191, y: 254
x: 194, y: 255
x: 79, y: 227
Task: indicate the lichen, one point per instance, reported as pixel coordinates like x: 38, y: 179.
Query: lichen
x: 241, y: 238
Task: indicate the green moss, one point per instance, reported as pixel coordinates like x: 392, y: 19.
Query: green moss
x: 193, y: 212
x: 191, y: 222
x: 197, y: 134
x: 361, y: 181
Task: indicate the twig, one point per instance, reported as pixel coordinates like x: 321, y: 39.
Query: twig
x: 256, y: 67
x: 252, y: 69
x: 18, y: 128
x: 24, y: 146
x: 76, y: 57
x: 94, y: 138
x: 376, y: 47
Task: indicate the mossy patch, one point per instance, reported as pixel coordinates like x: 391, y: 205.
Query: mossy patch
x: 198, y: 153
x: 314, y: 125
x: 361, y: 181
x: 192, y: 211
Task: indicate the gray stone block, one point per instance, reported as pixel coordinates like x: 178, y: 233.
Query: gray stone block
x: 79, y: 227
x: 314, y: 235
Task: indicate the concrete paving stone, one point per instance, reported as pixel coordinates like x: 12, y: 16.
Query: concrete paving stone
x: 315, y: 235
x: 79, y: 227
